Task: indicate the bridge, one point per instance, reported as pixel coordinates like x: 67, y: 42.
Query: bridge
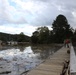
x: 58, y: 64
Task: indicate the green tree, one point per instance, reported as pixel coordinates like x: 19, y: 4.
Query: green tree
x: 41, y: 35
x: 61, y: 29
x: 51, y: 37
x: 34, y: 38
x: 74, y: 37
x: 21, y: 37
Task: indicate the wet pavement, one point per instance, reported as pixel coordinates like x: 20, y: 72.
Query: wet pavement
x: 16, y: 61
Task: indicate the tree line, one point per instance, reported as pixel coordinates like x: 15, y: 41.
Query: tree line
x: 61, y: 30
x: 14, y: 37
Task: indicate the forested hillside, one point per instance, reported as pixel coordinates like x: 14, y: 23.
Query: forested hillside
x: 14, y: 37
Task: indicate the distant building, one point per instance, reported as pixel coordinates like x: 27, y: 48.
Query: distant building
x: 12, y: 43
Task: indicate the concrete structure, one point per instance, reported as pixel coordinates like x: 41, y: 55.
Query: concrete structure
x: 72, y: 61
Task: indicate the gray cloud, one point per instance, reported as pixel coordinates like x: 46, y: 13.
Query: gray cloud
x: 56, y: 7
x: 38, y: 13
x: 6, y: 14
x: 43, y: 12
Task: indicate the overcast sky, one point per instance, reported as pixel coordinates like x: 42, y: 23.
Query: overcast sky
x: 26, y: 15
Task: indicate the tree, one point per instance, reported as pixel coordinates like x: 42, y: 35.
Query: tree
x: 34, y: 37
x: 41, y: 35
x: 74, y: 37
x: 21, y: 37
x: 61, y: 29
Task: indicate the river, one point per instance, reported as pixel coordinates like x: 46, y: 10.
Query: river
x: 19, y: 59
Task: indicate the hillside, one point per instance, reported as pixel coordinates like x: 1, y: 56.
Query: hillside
x: 14, y: 37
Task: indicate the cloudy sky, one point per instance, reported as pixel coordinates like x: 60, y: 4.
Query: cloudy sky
x: 26, y: 15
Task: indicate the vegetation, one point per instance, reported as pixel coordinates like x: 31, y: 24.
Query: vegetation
x: 74, y: 38
x: 14, y: 37
x: 61, y: 30
x: 41, y: 35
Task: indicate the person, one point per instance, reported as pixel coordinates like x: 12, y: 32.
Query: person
x: 67, y: 41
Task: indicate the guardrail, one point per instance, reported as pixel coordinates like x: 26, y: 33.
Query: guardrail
x: 72, y: 61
